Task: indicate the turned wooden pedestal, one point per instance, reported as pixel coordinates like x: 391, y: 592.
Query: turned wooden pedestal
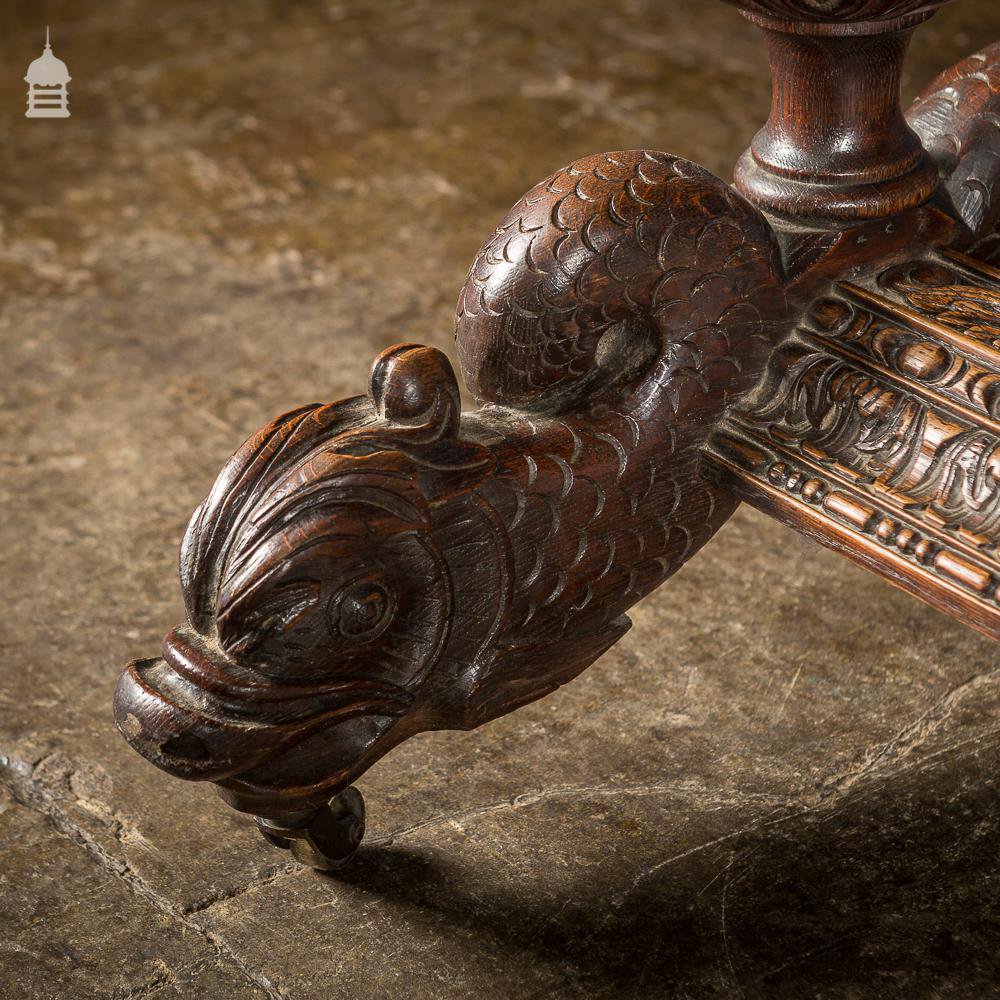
x: 648, y: 346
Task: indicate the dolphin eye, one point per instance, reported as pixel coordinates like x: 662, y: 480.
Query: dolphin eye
x: 362, y: 610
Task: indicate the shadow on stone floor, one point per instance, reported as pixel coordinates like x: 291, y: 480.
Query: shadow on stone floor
x: 228, y: 231
x: 888, y: 889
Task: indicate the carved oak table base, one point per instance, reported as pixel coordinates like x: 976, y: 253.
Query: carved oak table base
x: 648, y: 346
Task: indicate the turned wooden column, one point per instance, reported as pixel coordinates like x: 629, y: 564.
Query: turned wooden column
x: 836, y: 145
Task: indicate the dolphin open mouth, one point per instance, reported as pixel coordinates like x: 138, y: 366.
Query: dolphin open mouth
x: 197, y: 714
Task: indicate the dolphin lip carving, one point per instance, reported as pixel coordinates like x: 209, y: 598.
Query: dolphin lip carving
x: 196, y: 713
x: 162, y: 717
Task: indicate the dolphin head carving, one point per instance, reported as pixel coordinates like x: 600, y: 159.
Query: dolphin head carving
x: 318, y: 598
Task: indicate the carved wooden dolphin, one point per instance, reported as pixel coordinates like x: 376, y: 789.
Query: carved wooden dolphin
x: 368, y: 569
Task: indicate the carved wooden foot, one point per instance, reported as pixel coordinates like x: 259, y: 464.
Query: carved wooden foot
x: 646, y: 347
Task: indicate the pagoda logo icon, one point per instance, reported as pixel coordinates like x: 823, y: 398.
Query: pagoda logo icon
x: 47, y: 79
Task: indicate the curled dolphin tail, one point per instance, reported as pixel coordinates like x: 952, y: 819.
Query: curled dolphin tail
x: 619, y: 278
x: 606, y: 322
x: 958, y: 120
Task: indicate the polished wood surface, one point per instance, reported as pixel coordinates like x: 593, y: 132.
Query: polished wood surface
x: 647, y: 346
x: 836, y: 145
x: 876, y: 430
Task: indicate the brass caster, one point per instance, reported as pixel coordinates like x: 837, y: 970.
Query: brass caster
x: 329, y: 841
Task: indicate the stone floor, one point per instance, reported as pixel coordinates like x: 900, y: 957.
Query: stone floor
x: 782, y: 783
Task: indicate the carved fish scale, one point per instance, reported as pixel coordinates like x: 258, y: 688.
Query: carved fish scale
x: 587, y: 533
x: 632, y: 287
x: 646, y: 347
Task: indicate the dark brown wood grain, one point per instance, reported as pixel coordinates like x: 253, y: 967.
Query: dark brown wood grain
x: 958, y: 120
x: 646, y: 347
x: 836, y: 145
x: 843, y: 14
x: 368, y: 569
x: 877, y: 430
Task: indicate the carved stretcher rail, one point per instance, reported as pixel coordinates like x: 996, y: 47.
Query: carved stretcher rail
x: 877, y: 429
x: 646, y: 347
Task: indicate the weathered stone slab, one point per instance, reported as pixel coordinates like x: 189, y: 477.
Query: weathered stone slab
x: 883, y: 886
x: 71, y: 928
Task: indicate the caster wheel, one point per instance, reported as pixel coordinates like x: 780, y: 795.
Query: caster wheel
x: 271, y: 836
x: 329, y: 841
